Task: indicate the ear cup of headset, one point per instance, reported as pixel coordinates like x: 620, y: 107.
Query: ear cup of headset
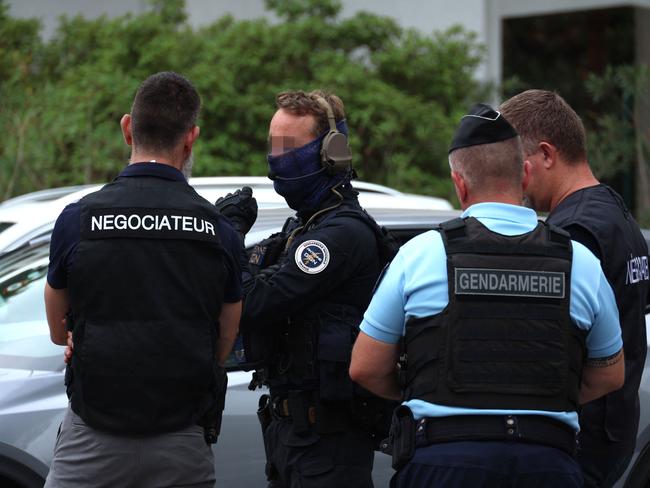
x: 336, y: 155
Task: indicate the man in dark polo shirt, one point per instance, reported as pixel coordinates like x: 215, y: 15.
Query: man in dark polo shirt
x: 145, y: 273
x: 562, y: 184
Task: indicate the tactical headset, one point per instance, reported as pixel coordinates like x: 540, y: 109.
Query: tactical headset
x: 336, y: 156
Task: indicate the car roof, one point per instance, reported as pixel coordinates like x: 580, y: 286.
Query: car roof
x: 32, y: 219
x: 271, y: 220
x: 212, y: 186
x: 394, y: 218
x: 43, y: 196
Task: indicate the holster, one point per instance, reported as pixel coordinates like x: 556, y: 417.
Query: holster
x: 264, y: 415
x: 211, y: 421
x: 264, y: 412
x: 401, y: 440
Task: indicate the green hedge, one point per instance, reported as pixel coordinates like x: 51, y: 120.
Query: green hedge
x: 62, y: 99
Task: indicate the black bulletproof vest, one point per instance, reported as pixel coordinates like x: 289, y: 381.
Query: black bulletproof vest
x: 622, y: 251
x: 506, y: 339
x: 316, y: 347
x: 146, y: 288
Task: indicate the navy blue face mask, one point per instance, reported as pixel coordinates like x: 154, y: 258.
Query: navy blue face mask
x: 299, y: 176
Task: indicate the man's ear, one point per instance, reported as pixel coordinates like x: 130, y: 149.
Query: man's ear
x: 460, y: 186
x: 191, y: 136
x: 125, y: 124
x: 526, y: 176
x: 549, y: 153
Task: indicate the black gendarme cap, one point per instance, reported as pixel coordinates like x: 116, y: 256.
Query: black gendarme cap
x: 482, y: 125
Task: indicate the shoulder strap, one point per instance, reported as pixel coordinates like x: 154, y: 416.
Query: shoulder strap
x: 469, y: 235
x: 386, y: 243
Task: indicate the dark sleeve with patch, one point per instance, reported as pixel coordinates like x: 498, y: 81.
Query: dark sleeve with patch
x: 348, y: 277
x: 233, y: 245
x: 65, y: 237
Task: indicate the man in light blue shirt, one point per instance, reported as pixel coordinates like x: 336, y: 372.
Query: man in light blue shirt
x: 506, y: 326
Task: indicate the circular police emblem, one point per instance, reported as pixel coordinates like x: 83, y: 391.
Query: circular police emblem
x: 312, y: 257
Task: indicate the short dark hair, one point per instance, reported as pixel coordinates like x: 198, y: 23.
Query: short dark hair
x: 299, y: 102
x: 165, y: 107
x: 541, y: 115
x: 488, y: 166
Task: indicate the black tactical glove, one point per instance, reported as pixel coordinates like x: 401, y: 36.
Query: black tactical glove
x: 266, y: 273
x: 240, y: 207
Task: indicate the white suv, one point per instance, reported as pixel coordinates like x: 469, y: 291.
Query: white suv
x: 31, y: 216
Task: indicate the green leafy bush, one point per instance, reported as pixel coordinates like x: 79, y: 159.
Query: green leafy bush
x: 62, y: 98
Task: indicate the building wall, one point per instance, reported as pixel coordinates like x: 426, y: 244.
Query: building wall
x: 49, y: 11
x: 482, y: 16
x: 497, y: 10
x: 424, y: 15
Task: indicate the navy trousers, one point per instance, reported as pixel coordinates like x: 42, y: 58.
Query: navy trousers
x: 489, y: 464
x: 311, y: 460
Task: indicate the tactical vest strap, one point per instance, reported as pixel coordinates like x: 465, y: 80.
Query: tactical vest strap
x: 386, y: 244
x: 458, y: 241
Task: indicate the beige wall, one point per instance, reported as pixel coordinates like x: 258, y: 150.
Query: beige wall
x: 482, y: 16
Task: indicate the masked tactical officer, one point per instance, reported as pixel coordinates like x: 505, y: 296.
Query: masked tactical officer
x: 506, y: 327
x: 562, y: 183
x: 302, y: 309
x: 147, y: 272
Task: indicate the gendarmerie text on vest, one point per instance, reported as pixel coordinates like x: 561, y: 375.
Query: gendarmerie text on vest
x: 509, y: 282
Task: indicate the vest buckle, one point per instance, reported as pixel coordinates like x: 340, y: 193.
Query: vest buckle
x: 512, y: 426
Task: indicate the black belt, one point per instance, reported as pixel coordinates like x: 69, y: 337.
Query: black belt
x: 280, y: 409
x: 304, y: 409
x: 535, y: 429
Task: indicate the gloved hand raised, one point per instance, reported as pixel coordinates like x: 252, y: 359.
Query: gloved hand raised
x: 240, y: 207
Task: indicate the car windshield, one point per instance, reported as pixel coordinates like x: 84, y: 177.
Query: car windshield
x: 24, y: 335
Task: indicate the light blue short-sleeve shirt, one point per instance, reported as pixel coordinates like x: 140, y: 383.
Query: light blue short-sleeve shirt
x: 415, y: 285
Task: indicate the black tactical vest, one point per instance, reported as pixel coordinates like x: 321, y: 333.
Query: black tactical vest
x: 315, y: 348
x: 506, y: 339
x: 146, y: 289
x: 623, y: 254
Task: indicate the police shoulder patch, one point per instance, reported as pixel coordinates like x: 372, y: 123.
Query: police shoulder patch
x: 312, y: 257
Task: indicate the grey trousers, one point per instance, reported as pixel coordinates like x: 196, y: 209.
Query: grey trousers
x: 85, y: 457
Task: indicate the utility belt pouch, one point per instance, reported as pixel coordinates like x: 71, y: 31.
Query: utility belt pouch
x: 336, y: 325
x: 332, y: 418
x: 298, y: 409
x: 402, y: 436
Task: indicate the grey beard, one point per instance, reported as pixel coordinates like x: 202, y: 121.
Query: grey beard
x: 187, y: 166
